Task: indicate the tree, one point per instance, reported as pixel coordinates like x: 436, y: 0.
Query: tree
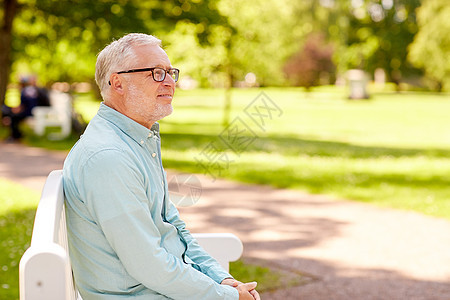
x: 263, y: 37
x: 256, y: 38
x: 59, y: 40
x: 377, y: 35
x: 313, y: 64
x: 431, y: 47
x: 7, y: 16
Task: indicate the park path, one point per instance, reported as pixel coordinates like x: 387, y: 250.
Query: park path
x: 345, y: 250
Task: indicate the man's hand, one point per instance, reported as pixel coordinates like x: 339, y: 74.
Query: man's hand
x: 246, y: 290
x: 231, y: 281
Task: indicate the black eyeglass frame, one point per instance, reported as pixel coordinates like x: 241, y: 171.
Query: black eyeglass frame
x: 153, y: 74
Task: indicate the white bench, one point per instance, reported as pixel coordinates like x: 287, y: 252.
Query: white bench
x: 45, y: 271
x: 58, y: 114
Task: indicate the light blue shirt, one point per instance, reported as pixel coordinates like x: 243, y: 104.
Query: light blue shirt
x: 126, y: 238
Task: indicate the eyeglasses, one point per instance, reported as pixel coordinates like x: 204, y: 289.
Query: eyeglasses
x: 158, y: 74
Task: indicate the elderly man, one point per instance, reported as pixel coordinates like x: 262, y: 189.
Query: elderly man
x: 126, y: 239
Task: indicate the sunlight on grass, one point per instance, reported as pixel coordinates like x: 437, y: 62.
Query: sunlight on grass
x: 86, y: 106
x: 391, y: 120
x: 17, y: 210
x: 14, y: 197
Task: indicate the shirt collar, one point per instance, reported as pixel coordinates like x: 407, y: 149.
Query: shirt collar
x: 130, y: 127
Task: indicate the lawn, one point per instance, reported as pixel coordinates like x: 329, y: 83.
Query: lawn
x: 392, y: 150
x: 17, y: 210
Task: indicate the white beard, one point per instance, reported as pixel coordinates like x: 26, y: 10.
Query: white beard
x: 140, y: 103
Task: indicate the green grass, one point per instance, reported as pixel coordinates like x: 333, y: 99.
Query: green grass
x: 267, y: 279
x: 17, y: 210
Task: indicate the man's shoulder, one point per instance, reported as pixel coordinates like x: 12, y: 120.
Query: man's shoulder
x: 99, y: 139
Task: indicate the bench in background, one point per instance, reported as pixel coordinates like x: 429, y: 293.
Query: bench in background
x: 58, y: 114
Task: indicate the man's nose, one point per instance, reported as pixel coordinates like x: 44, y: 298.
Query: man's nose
x: 168, y: 81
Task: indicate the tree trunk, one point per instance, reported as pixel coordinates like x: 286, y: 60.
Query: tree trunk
x: 10, y: 10
x: 229, y: 85
x: 227, y: 107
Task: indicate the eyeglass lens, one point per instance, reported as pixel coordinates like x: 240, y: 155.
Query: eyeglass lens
x: 159, y: 74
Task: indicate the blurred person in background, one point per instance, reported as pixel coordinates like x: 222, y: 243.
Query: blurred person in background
x: 30, y: 96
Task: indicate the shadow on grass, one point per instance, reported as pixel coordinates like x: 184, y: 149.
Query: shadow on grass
x: 293, y: 146
x: 316, y: 184
x: 15, y: 236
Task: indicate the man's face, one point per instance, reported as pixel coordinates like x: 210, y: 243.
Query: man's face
x: 146, y: 100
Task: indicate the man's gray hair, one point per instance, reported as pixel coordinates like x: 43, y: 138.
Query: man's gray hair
x: 117, y: 55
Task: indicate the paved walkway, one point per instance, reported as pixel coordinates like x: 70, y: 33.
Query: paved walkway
x: 347, y: 250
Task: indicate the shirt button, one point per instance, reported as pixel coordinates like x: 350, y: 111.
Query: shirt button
x: 150, y: 134
x: 153, y: 154
x: 162, y: 182
x: 142, y: 142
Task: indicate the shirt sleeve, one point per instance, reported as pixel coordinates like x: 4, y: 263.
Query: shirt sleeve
x: 115, y: 194
x: 207, y: 264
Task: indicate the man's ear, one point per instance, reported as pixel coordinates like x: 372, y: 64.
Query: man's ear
x: 116, y: 83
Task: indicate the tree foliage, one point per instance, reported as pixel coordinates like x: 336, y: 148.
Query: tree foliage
x: 218, y: 42
x: 431, y: 47
x: 263, y: 37
x: 312, y: 65
x: 377, y: 36
x: 367, y: 34
x: 59, y: 40
x: 257, y: 38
